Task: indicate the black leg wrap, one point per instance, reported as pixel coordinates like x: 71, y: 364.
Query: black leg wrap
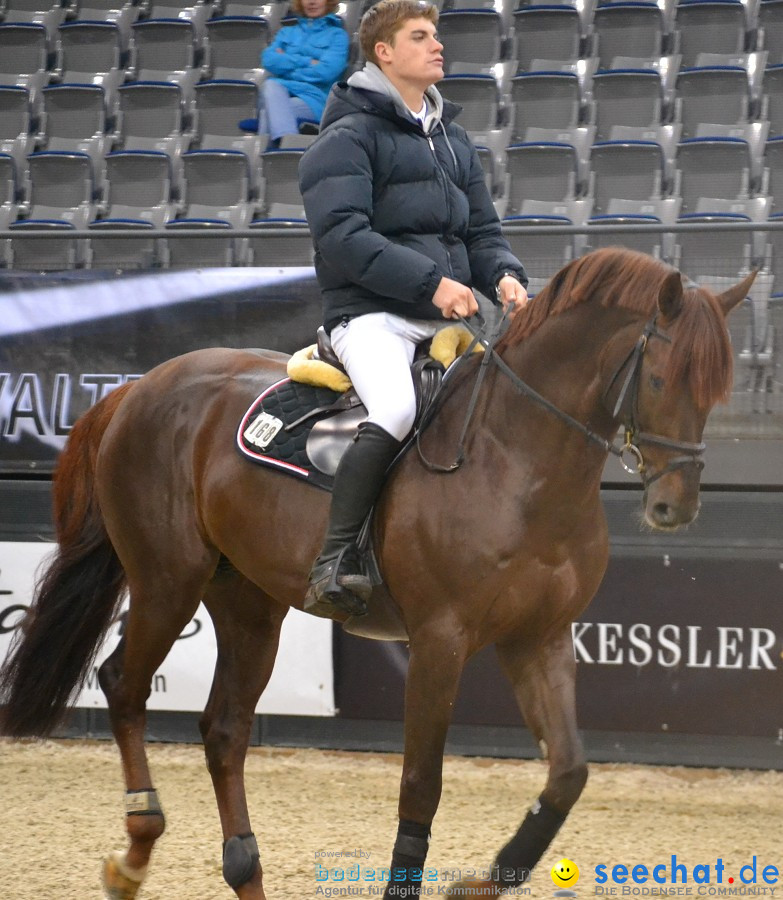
x: 517, y: 859
x: 408, y: 857
x: 240, y: 856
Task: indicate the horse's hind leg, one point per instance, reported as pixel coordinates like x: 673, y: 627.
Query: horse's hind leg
x: 156, y: 617
x: 247, y: 625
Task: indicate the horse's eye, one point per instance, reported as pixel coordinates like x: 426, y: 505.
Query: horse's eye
x: 657, y: 382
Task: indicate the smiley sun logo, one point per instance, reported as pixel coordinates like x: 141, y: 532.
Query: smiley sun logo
x: 565, y: 874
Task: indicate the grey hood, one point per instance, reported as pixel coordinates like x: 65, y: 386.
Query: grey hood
x: 371, y: 78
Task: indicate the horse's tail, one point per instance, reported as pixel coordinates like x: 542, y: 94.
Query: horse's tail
x: 76, y: 597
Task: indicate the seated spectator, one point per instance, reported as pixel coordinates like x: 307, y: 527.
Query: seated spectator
x: 304, y: 60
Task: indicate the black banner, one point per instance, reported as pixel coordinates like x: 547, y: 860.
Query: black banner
x: 683, y: 641
x: 67, y: 341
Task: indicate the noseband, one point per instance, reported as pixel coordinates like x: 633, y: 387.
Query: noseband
x: 690, y: 453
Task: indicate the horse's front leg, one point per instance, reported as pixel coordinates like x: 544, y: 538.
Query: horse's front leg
x: 543, y: 683
x: 436, y: 662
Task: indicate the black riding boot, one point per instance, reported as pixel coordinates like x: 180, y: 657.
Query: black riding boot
x: 337, y: 581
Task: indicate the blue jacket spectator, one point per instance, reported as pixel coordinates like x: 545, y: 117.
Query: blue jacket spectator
x: 307, y: 58
x: 304, y: 61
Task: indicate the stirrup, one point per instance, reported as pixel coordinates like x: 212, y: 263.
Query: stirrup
x: 331, y: 592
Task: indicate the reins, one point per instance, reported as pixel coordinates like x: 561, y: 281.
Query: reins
x: 691, y: 452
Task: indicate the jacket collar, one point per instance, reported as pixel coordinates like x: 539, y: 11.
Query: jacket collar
x: 345, y: 99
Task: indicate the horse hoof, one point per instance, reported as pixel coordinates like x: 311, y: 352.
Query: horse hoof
x: 463, y: 889
x: 120, y: 882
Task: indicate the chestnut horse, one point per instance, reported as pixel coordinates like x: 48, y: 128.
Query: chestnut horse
x: 508, y: 549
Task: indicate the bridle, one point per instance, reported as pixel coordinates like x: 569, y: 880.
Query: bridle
x: 691, y: 454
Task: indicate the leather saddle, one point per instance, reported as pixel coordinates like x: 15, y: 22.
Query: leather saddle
x: 333, y: 432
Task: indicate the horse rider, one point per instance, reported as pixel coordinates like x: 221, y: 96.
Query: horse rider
x: 403, y: 227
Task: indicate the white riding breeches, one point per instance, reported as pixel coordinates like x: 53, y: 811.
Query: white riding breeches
x: 377, y: 350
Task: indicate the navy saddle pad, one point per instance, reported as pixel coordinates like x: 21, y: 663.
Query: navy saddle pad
x: 293, y: 428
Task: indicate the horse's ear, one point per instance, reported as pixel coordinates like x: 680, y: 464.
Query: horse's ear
x: 670, y: 296
x: 734, y: 295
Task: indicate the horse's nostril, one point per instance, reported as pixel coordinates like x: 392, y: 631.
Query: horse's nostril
x: 662, y: 512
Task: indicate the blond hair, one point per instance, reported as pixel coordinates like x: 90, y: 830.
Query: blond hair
x: 382, y: 21
x: 331, y: 6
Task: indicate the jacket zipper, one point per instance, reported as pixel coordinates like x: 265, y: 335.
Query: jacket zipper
x: 444, y: 183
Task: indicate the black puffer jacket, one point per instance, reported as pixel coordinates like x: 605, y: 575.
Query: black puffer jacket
x: 393, y: 210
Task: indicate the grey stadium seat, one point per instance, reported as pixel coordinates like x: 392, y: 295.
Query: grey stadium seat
x: 770, y: 22
x: 62, y: 197
x: 626, y: 170
x: 714, y: 95
x: 479, y: 97
x: 220, y: 105
x: 273, y: 11
x: 544, y: 254
x: 217, y: 186
x: 713, y: 167
x: 636, y: 28
x: 48, y: 13
x: 630, y: 97
x: 545, y: 100
x: 773, y: 91
x: 237, y: 43
x: 471, y: 36
x: 634, y: 212
x: 153, y: 116
x: 294, y: 249
x: 75, y: 118
x: 710, y: 26
x: 16, y: 123
x: 217, y: 196
x: 775, y: 239
x: 282, y: 197
x: 24, y: 57
x: 195, y: 13
x: 715, y: 258
x: 773, y: 162
x: 546, y: 32
x: 9, y: 207
x: 282, y: 207
x: 122, y: 13
x: 91, y: 53
x: 169, y: 50
x: 547, y: 171
x: 138, y: 196
x: 9, y: 193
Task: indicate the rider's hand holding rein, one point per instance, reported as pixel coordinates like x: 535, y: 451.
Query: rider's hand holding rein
x: 455, y: 299
x: 512, y: 291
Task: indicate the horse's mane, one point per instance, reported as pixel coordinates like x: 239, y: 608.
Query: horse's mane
x: 617, y: 277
